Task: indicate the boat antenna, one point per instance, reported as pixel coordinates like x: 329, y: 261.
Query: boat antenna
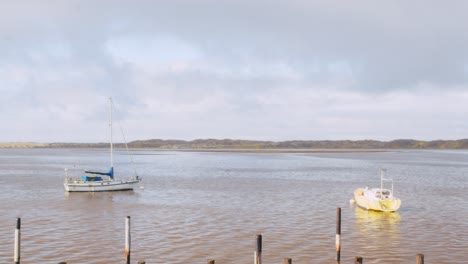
x: 111, y: 143
x: 382, y: 172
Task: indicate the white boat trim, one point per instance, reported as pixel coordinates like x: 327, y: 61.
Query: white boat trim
x: 100, y: 186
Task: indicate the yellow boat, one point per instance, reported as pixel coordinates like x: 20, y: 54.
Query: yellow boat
x: 377, y: 199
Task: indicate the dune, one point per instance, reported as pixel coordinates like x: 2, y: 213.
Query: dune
x: 22, y: 145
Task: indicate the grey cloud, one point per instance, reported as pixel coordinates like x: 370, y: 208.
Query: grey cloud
x: 236, y: 55
x: 392, y: 45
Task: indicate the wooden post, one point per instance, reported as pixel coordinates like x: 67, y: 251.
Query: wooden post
x: 287, y: 261
x: 127, y: 239
x: 211, y: 261
x: 358, y: 260
x: 16, y: 257
x: 419, y: 259
x: 258, y: 252
x: 338, y: 233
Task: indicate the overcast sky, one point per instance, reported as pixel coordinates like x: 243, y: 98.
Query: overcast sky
x: 261, y: 70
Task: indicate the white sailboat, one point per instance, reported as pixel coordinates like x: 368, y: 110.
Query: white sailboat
x: 94, y: 181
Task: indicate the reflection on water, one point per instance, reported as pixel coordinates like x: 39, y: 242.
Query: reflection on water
x: 379, y: 228
x: 98, y: 195
x: 378, y: 235
x: 369, y: 220
x: 197, y: 206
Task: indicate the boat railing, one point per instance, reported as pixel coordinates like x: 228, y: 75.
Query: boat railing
x: 382, y: 179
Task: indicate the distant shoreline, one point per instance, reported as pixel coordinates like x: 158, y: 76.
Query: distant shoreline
x: 237, y: 145
x: 23, y: 145
x: 299, y: 151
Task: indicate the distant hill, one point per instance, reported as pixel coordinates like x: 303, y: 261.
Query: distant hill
x: 299, y: 144
x: 23, y: 145
x: 254, y: 144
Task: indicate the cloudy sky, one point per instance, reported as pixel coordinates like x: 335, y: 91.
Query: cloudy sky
x: 262, y: 70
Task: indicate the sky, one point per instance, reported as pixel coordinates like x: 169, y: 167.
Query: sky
x: 258, y: 70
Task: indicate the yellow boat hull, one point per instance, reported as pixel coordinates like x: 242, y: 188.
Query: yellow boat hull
x: 384, y: 205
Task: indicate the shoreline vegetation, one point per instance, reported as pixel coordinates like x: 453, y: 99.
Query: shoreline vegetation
x: 235, y: 145
x: 23, y: 145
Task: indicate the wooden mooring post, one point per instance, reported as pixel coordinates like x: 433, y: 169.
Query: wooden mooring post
x: 258, y: 252
x: 16, y: 257
x: 420, y: 259
x: 127, y: 239
x: 338, y: 234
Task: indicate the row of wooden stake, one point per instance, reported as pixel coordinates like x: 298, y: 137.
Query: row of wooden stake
x: 257, y: 254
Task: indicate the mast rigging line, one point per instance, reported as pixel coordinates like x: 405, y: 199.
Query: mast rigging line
x: 124, y: 139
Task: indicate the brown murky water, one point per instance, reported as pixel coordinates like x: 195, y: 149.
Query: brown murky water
x: 196, y: 206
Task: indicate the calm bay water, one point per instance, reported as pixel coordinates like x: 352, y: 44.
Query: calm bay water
x: 196, y: 206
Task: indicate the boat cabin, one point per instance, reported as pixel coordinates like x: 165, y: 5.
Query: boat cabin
x: 382, y: 194
x: 91, y: 178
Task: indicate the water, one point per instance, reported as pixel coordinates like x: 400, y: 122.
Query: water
x: 197, y: 206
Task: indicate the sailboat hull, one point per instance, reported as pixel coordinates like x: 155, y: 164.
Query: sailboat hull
x: 100, y: 186
x: 365, y: 200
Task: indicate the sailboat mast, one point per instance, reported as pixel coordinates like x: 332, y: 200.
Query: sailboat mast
x: 111, y: 143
